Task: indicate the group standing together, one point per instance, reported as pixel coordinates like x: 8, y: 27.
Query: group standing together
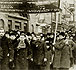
x: 20, y: 51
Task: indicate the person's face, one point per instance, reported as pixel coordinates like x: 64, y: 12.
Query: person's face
x: 48, y: 36
x: 57, y: 38
x: 61, y: 37
x: 51, y: 36
x: 7, y: 35
x: 41, y: 35
x: 71, y: 37
x: 73, y: 34
x: 12, y: 37
x: 2, y: 32
x: 35, y: 38
x: 22, y: 37
x: 33, y: 35
x: 18, y: 32
x: 17, y: 35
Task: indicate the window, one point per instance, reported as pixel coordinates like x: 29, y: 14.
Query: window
x: 17, y: 25
x: 1, y: 23
x: 25, y: 27
x: 9, y: 24
x: 53, y: 16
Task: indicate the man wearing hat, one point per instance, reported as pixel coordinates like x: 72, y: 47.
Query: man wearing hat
x: 11, y: 49
x: 39, y: 54
x: 22, y: 53
x: 7, y: 34
x: 1, y: 50
x: 30, y: 38
x: 49, y: 41
x: 5, y: 46
x: 62, y: 54
x: 32, y: 43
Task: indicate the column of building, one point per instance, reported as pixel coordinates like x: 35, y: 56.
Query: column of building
x: 13, y: 25
x: 75, y: 11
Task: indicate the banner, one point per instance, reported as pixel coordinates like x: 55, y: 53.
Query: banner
x: 29, y: 6
x: 11, y: 6
x: 43, y: 6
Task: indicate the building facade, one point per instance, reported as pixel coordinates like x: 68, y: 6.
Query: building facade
x: 39, y: 22
x: 44, y: 22
x: 68, y: 9
x: 13, y: 22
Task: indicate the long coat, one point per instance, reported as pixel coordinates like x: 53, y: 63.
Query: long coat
x: 11, y: 53
x: 72, y: 44
x: 48, y: 42
x: 31, y: 63
x: 62, y: 55
x: 21, y: 56
x: 5, y: 60
x: 1, y: 56
x: 39, y: 52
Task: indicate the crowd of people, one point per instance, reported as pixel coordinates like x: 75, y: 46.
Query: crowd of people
x: 30, y: 51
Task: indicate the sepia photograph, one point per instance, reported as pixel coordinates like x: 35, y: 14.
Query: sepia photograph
x: 37, y: 34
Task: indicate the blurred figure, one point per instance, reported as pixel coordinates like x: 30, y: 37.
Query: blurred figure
x: 49, y: 46
x: 49, y: 41
x: 39, y: 54
x: 7, y: 34
x: 30, y: 39
x: 62, y: 54
x: 33, y: 36
x: 52, y: 37
x: 42, y: 37
x: 12, y: 36
x: 32, y: 43
x: 1, y: 51
x: 73, y: 49
x: 22, y: 53
x: 57, y: 38
x: 5, y: 47
x: 11, y: 50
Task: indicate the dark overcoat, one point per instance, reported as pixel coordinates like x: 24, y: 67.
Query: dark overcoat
x: 39, y: 52
x: 11, y: 53
x: 62, y: 55
x: 5, y: 60
x: 31, y: 63
x: 48, y: 42
x: 22, y: 56
x: 1, y: 56
x: 72, y: 44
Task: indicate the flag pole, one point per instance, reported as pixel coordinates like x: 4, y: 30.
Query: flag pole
x: 55, y: 34
x: 56, y: 27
